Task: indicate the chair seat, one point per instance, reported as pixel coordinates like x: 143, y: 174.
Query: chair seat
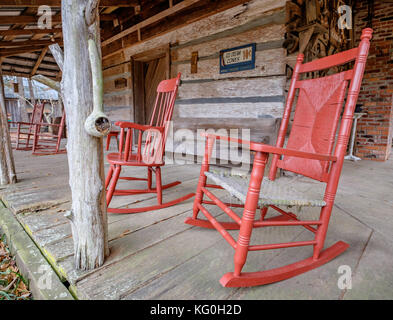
x: 114, y: 158
x: 272, y: 192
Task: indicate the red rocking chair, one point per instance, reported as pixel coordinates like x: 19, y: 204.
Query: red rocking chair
x: 46, y: 143
x: 25, y: 130
x: 149, y: 155
x: 310, y: 151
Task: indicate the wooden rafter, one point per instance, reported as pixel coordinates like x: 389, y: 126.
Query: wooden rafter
x: 21, y: 32
x: 25, y: 70
x: 26, y: 11
x: 8, y: 44
x: 31, y: 62
x: 39, y: 60
x: 14, y: 51
x: 57, y: 3
x: 27, y: 19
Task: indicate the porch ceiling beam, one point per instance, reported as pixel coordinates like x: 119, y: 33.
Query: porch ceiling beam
x: 14, y: 51
x: 15, y: 44
x: 57, y: 3
x: 21, y: 32
x: 180, y: 6
x: 26, y: 19
x: 22, y: 74
x: 15, y: 69
x: 30, y: 62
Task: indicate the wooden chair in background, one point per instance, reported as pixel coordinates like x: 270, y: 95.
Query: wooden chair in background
x: 149, y: 154
x: 312, y: 150
x: 25, y: 130
x: 47, y: 143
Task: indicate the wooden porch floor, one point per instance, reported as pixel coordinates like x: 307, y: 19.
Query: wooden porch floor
x: 154, y: 255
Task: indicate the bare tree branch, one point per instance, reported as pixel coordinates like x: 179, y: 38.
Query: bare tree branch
x: 57, y: 54
x: 91, y: 11
x: 48, y: 82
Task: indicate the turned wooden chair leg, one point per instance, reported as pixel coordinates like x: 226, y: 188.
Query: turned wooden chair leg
x: 158, y: 185
x: 108, y: 141
x: 320, y: 235
x: 18, y: 137
x: 112, y: 185
x: 199, y: 195
x: 149, y: 178
x: 27, y: 141
x: 250, y: 208
x: 109, y: 176
x: 202, y: 178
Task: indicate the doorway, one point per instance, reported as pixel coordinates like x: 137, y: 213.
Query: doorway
x: 149, y: 69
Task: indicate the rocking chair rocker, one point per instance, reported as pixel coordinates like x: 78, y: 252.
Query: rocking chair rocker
x: 151, y: 155
x: 309, y: 152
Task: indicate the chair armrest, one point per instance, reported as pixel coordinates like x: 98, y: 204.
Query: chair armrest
x: 261, y: 147
x: 132, y: 125
x: 22, y: 123
x: 47, y: 124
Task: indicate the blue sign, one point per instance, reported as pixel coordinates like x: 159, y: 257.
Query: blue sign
x: 237, y: 59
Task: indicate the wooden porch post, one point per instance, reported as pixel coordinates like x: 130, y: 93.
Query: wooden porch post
x: 7, y: 165
x: 21, y: 100
x: 85, y: 152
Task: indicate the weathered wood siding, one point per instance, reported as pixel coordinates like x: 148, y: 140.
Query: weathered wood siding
x: 118, y: 87
x: 252, y: 99
x: 13, y: 110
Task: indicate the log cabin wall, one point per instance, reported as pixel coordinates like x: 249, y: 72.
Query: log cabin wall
x: 118, y: 94
x: 252, y: 99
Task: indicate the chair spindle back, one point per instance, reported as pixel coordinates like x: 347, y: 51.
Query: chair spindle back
x: 319, y: 105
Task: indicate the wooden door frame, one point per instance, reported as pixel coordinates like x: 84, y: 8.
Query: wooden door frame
x: 137, y: 64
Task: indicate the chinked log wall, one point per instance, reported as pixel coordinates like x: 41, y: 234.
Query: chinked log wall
x: 251, y: 99
x: 118, y: 98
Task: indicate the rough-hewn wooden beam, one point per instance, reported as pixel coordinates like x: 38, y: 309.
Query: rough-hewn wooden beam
x: 16, y: 74
x: 177, y: 22
x: 180, y: 6
x: 21, y: 32
x: 25, y: 19
x: 55, y: 85
x: 22, y: 69
x: 57, y: 3
x: 14, y: 51
x: 39, y: 60
x: 57, y: 54
x: 18, y: 61
x: 9, y: 44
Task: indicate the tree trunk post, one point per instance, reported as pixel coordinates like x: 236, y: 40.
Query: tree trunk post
x: 85, y: 152
x: 22, y: 101
x: 31, y: 91
x: 7, y: 164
